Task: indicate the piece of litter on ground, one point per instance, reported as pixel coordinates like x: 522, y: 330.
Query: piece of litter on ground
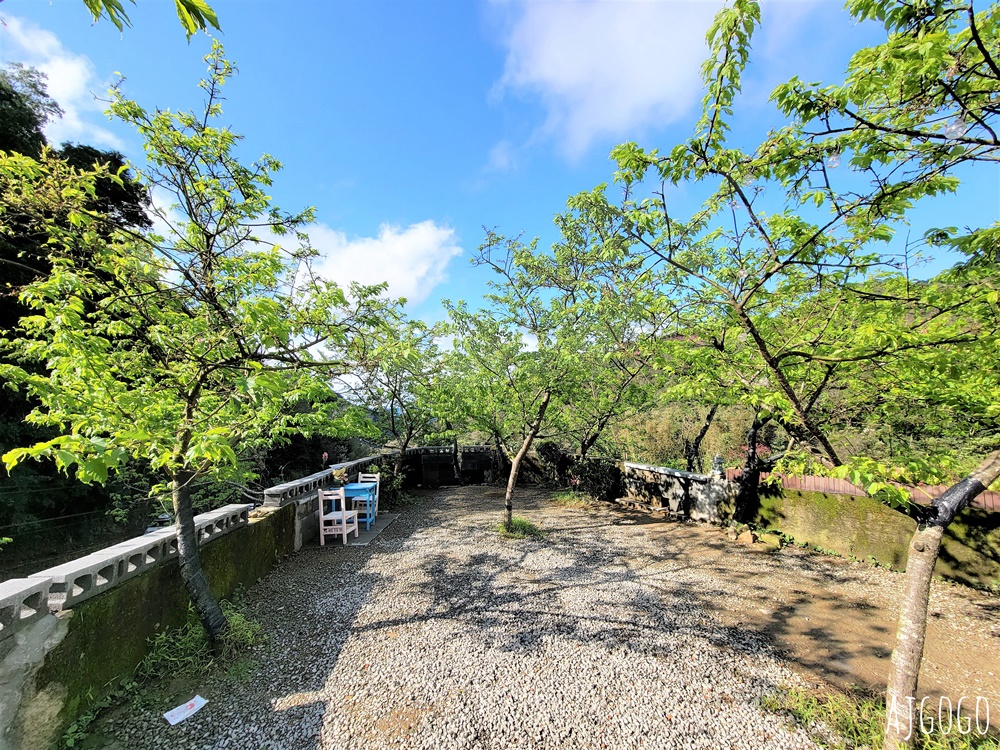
x: 177, y: 715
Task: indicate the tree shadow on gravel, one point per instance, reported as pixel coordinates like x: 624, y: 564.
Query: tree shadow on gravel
x: 652, y: 600
x: 514, y: 608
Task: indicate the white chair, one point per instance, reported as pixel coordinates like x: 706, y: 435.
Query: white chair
x: 335, y: 521
x: 372, y: 478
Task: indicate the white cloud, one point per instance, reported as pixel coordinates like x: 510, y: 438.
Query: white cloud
x: 412, y: 260
x: 503, y: 157
x: 604, y: 68
x: 72, y: 81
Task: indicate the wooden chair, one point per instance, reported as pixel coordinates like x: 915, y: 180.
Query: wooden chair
x: 335, y: 521
x: 372, y: 478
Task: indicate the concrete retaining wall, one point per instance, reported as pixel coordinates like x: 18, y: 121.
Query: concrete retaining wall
x: 865, y: 528
x: 24, y: 600
x: 70, y: 634
x: 62, y: 662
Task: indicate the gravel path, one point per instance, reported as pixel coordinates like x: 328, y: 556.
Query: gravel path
x: 442, y: 635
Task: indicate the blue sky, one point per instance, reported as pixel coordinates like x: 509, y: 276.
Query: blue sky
x: 410, y: 125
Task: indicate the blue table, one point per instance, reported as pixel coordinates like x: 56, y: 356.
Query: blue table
x: 363, y: 495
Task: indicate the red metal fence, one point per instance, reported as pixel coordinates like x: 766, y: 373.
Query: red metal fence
x: 924, y: 493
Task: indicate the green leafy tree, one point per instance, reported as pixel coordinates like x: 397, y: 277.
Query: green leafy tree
x: 516, y: 356
x: 25, y: 107
x: 393, y: 375
x: 783, y: 271
x: 505, y: 386
x: 617, y: 316
x: 920, y: 104
x: 185, y: 347
x: 37, y: 495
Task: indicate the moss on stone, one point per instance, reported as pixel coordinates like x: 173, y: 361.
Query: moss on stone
x: 866, y: 528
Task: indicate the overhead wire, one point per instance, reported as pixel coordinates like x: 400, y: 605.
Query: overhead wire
x: 49, y: 520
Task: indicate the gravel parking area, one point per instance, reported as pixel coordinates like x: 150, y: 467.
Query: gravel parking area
x: 441, y: 634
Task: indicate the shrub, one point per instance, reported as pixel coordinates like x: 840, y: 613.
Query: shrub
x: 555, y: 461
x: 186, y: 650
x: 599, y: 478
x: 390, y: 488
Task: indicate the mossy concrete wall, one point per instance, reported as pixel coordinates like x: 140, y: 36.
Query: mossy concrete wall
x: 109, y: 634
x: 864, y: 528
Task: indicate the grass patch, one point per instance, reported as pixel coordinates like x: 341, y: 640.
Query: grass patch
x: 570, y: 499
x: 185, y: 652
x: 857, y: 720
x: 243, y: 671
x: 520, y: 528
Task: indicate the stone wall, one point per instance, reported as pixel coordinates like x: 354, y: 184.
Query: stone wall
x: 434, y: 466
x: 858, y: 527
x: 25, y: 600
x: 703, y: 497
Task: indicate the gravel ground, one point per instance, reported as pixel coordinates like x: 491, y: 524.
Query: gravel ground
x: 442, y: 635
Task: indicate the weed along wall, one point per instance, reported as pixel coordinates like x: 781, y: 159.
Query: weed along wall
x: 865, y: 528
x: 61, y: 662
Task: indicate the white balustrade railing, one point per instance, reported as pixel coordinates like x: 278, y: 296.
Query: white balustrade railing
x: 667, y: 471
x: 304, y: 490
x: 23, y: 600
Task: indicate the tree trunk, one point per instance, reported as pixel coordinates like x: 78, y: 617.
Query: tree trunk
x: 455, y: 456
x: 192, y: 573
x: 588, y: 442
x: 694, y: 449
x: 501, y: 455
x: 515, y: 465
x: 901, y: 689
x: 401, y: 458
x: 748, y: 499
x: 774, y: 366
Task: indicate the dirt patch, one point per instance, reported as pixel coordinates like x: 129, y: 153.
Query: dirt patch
x: 835, y: 619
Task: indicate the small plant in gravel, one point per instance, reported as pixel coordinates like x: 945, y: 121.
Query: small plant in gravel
x: 857, y: 720
x: 520, y: 528
x: 242, y: 671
